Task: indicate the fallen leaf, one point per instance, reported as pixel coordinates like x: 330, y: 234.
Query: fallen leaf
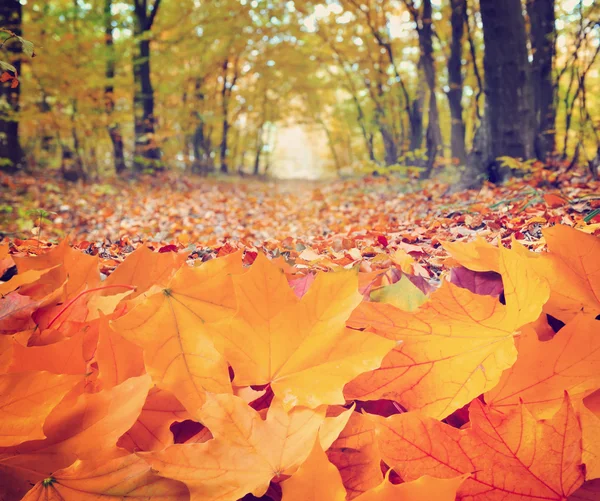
x: 545, y: 370
x: 356, y: 456
x: 300, y: 347
x: 453, y: 348
x: 26, y: 400
x: 170, y: 325
x: 510, y: 456
x: 246, y: 453
x: 317, y: 479
x: 424, y: 488
x: 127, y: 477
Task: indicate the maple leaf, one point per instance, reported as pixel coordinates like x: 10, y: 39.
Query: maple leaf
x: 22, y: 279
x: 569, y: 267
x: 454, y: 347
x: 334, y: 424
x: 424, y: 488
x: 403, y: 295
x: 82, y: 426
x: 26, y: 399
x: 66, y: 265
x: 589, y: 415
x: 127, y: 477
x: 144, y: 269
x: 117, y: 358
x: 152, y: 430
x: 246, y: 452
x: 476, y: 255
x: 299, y: 346
x: 318, y: 479
x: 356, y: 456
x: 545, y: 370
x: 63, y: 357
x: 510, y: 456
x: 170, y: 325
x: 573, y: 271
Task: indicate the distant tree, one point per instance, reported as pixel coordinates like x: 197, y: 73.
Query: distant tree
x: 543, y: 41
x: 455, y: 80
x: 114, y: 130
x: 147, y: 154
x: 423, y: 19
x: 11, y: 154
x: 508, y: 124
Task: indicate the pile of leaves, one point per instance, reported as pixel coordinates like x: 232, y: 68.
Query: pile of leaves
x: 322, y: 224
x: 261, y: 375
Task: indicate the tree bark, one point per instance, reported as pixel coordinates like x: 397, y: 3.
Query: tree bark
x: 147, y: 154
x: 114, y: 130
x: 455, y: 82
x: 434, y: 133
x: 11, y: 154
x: 543, y: 44
x: 507, y: 86
x: 416, y: 122
x: 226, y: 92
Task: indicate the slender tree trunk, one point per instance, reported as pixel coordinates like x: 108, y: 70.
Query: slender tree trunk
x: 434, y: 134
x: 114, y: 130
x: 259, y: 148
x: 389, y: 145
x: 507, y: 86
x: 416, y: 122
x: 11, y: 154
x: 147, y: 154
x: 543, y: 44
x: 455, y: 82
x: 226, y: 91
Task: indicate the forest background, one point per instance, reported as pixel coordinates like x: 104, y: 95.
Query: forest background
x: 300, y: 88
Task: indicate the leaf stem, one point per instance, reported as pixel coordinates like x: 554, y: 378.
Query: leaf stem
x: 81, y: 294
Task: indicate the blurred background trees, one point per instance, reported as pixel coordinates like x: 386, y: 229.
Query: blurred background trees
x: 230, y: 86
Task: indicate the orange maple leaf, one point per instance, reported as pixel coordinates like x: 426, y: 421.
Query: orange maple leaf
x: 26, y: 399
x: 70, y: 267
x: 299, y: 346
x: 144, y: 269
x: 589, y: 415
x: 152, y: 430
x: 545, y: 370
x: 127, y: 477
x: 356, y: 455
x: 246, y: 453
x: 170, y: 325
x: 454, y: 347
x: 82, y: 426
x: 317, y: 479
x: 510, y: 456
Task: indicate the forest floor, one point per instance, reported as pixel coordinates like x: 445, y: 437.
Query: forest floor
x: 108, y: 349
x: 312, y: 224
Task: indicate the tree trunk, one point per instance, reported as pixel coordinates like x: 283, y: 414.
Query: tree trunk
x: 226, y: 91
x: 507, y: 85
x: 11, y: 154
x: 434, y: 134
x: 416, y: 122
x: 543, y: 44
x: 455, y: 82
x: 114, y: 130
x: 389, y: 145
x: 259, y: 148
x: 147, y: 154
